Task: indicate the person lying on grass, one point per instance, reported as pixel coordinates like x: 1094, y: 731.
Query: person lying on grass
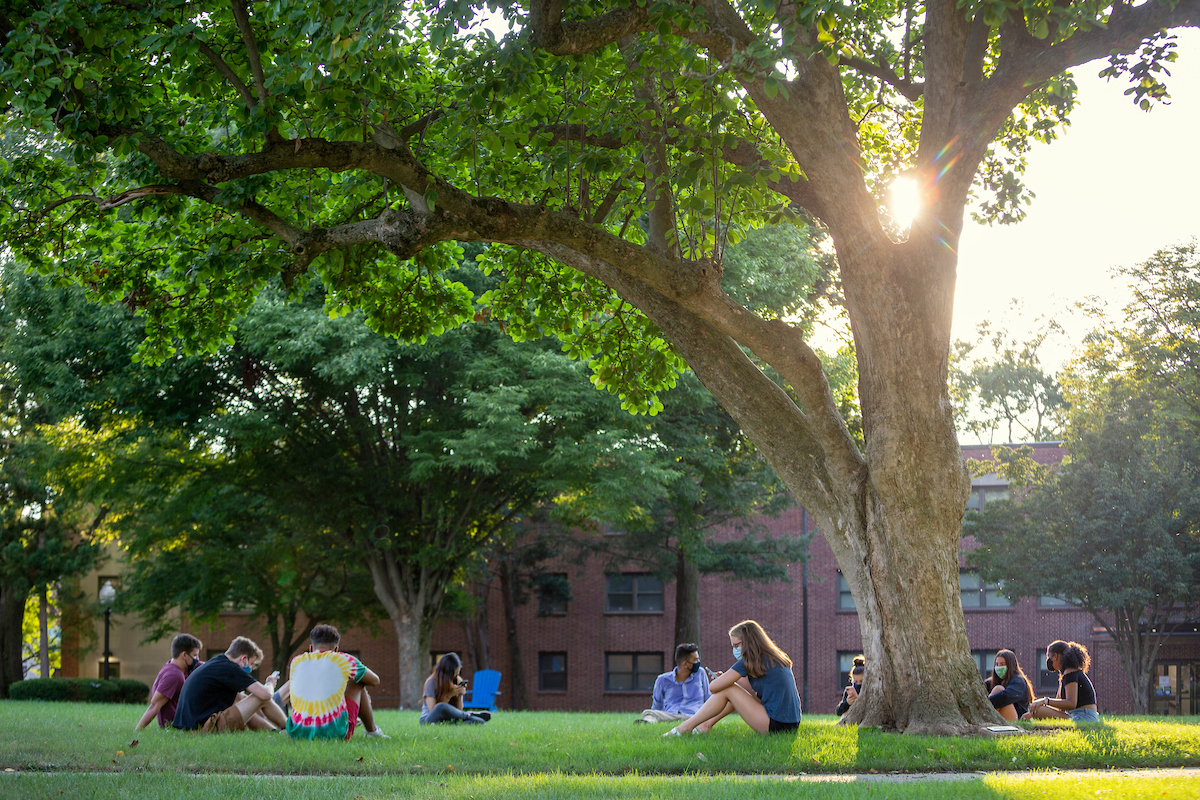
x: 770, y: 702
x: 1008, y: 688
x: 442, y: 699
x: 328, y: 691
x: 210, y: 701
x: 1076, y: 698
x: 164, y: 695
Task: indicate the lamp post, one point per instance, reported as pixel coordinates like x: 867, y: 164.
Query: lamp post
x: 107, y: 595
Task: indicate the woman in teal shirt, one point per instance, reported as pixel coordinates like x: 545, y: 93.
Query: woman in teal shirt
x: 759, y: 686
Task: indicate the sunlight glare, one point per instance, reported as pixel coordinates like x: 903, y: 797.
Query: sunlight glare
x: 906, y: 201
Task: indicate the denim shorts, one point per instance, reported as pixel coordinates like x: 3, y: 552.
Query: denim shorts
x: 1083, y: 715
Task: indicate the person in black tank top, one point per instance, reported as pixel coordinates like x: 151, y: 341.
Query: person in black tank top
x: 1076, y: 699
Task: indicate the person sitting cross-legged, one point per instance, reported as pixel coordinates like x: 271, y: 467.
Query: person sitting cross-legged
x: 328, y: 691
x: 680, y: 692
x: 209, y: 702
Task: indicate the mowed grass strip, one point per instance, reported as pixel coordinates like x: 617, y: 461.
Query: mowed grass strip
x: 90, y: 737
x: 547, y: 786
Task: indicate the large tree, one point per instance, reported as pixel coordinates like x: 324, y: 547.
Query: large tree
x: 614, y: 149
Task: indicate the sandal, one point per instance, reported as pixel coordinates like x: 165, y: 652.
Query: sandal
x: 672, y: 732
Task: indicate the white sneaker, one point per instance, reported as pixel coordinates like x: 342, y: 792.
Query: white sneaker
x: 378, y: 733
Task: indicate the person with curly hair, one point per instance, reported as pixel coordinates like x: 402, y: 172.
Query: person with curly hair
x: 1076, y: 699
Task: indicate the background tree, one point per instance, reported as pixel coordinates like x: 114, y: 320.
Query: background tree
x: 696, y: 120
x: 1003, y: 387
x: 1116, y: 531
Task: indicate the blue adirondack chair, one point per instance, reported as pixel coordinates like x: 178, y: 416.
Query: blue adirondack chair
x: 485, y: 684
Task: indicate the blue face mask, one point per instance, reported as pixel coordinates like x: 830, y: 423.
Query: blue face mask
x: 737, y: 652
x: 247, y: 669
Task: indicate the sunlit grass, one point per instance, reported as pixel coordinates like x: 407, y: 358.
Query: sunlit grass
x: 87, y: 737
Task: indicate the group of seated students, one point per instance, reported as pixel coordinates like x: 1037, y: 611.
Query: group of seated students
x: 327, y: 689
x: 1009, y: 689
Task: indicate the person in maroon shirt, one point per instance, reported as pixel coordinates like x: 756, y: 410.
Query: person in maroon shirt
x: 185, y: 657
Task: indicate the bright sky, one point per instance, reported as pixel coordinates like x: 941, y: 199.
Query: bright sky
x: 1120, y: 184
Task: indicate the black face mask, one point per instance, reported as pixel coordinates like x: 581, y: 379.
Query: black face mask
x: 694, y: 667
x: 192, y: 665
x: 1048, y: 667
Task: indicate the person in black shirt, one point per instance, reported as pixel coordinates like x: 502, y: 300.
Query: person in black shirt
x: 1008, y: 688
x: 1076, y: 698
x: 209, y: 701
x: 850, y: 693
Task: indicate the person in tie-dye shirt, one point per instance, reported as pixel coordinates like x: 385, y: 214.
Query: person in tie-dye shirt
x: 327, y: 690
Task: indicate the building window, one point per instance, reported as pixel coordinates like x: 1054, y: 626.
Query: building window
x: 633, y: 594
x: 1047, y: 680
x: 552, y: 672
x: 982, y: 495
x: 114, y: 668
x: 845, y: 660
x: 553, y: 591
x: 1046, y: 601
x: 977, y: 594
x: 631, y: 672
x: 984, y: 661
x: 845, y: 598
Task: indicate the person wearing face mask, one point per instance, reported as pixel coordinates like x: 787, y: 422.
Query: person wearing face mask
x: 850, y: 693
x: 1076, y: 699
x: 209, y: 701
x: 759, y: 687
x: 1008, y: 688
x: 680, y: 692
x: 164, y: 695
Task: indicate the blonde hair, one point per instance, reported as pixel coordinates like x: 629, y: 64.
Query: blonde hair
x: 241, y: 646
x: 758, y: 649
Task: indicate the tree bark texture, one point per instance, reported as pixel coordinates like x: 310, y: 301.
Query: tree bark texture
x: 687, y: 602
x: 44, y: 633
x: 516, y: 665
x: 12, y: 614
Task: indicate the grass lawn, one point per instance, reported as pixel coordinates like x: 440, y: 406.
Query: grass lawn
x: 568, y: 755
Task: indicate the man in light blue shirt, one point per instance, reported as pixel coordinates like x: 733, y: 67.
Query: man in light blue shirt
x: 679, y: 693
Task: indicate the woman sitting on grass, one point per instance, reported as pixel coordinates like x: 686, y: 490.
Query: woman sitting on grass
x: 850, y: 693
x: 770, y: 703
x: 1076, y: 698
x: 1008, y: 688
x: 442, y: 700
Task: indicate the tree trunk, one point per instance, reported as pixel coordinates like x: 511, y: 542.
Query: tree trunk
x: 475, y: 628
x: 687, y: 602
x: 43, y: 633
x: 408, y: 619
x: 516, y: 664
x: 12, y: 614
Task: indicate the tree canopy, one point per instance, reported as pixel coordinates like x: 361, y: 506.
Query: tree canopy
x: 179, y: 156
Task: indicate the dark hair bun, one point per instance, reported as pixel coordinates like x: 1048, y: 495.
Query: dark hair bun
x: 860, y: 661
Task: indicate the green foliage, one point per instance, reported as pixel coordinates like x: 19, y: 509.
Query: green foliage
x: 81, y: 690
x: 1006, y: 390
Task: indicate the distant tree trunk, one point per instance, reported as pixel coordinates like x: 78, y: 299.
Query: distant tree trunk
x: 408, y: 610
x: 475, y: 628
x: 12, y: 614
x: 516, y: 666
x: 43, y: 633
x: 687, y: 602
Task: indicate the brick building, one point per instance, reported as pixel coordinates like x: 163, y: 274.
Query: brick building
x: 601, y: 650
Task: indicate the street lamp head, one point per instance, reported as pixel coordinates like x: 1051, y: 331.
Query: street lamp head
x: 107, y: 594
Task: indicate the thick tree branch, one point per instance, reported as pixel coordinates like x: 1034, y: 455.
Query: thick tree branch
x: 561, y: 38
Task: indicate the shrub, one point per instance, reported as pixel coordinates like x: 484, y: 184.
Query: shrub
x: 87, y: 690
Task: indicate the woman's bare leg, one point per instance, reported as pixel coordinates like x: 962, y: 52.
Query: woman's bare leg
x: 745, y: 704
x: 706, y: 726
x: 1009, y: 712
